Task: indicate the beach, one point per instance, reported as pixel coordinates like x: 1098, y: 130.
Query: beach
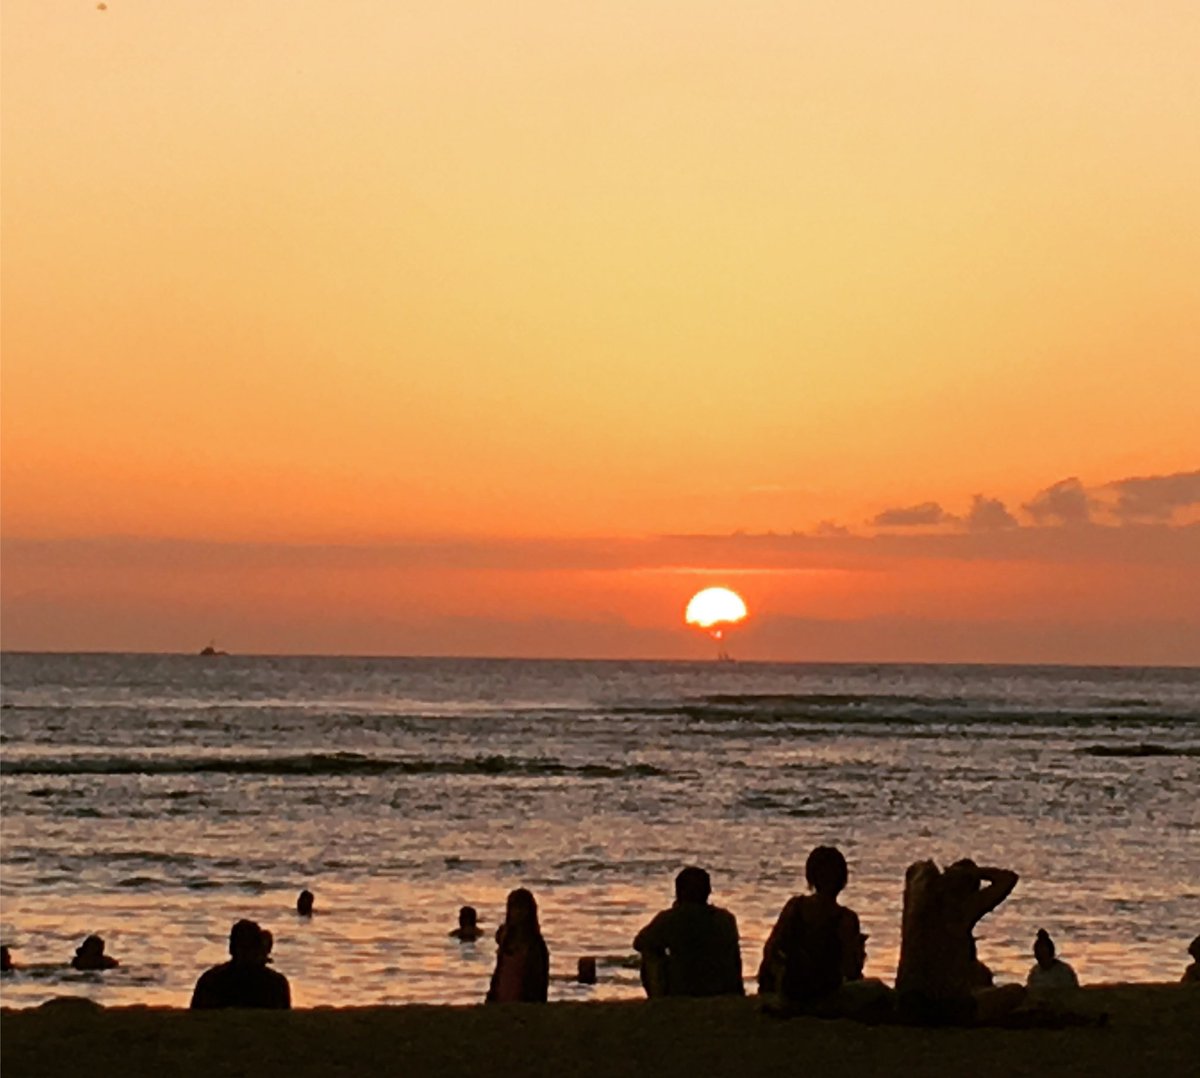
x: 1152, y: 1029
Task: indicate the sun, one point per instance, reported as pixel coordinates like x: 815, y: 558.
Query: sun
x: 715, y: 610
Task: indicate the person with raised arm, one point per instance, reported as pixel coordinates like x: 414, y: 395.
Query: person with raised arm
x: 936, y: 979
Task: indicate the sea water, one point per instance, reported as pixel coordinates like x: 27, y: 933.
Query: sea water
x: 155, y: 799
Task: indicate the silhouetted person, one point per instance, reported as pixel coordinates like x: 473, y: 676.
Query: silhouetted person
x: 89, y: 955
x: 692, y: 948
x: 816, y: 944
x: 586, y: 971
x: 243, y: 981
x: 522, y: 973
x: 304, y: 903
x: 6, y: 962
x: 1049, y: 974
x: 1191, y: 975
x: 468, y: 930
x: 937, y: 976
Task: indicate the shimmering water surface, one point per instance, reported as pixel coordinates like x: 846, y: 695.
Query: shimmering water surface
x: 155, y: 799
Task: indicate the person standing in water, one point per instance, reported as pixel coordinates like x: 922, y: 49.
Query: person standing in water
x: 522, y: 973
x: 468, y: 930
x: 89, y: 955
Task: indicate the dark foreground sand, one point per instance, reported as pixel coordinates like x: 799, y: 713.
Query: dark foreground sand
x: 1153, y: 1030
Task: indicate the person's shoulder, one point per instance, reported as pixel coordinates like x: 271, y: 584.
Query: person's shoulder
x: 214, y: 973
x: 725, y: 916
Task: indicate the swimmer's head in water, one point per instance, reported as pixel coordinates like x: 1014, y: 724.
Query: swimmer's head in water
x: 1043, y: 948
x: 92, y: 947
x: 693, y: 885
x: 826, y: 870
x: 304, y: 904
x: 467, y: 917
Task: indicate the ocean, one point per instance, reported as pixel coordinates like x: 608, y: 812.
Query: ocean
x: 154, y: 799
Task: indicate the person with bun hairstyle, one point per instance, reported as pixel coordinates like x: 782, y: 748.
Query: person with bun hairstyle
x: 1049, y: 974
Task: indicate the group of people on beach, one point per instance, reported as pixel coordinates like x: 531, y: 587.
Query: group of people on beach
x: 812, y: 962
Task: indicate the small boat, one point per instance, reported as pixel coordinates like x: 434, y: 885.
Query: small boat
x: 209, y: 651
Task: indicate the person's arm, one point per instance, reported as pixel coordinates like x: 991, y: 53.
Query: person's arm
x: 850, y: 937
x: 537, y: 975
x: 653, y: 938
x: 771, y: 949
x: 202, y: 997
x: 737, y: 986
x: 1000, y: 884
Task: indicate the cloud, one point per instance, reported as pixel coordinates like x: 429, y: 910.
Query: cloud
x: 989, y: 515
x: 1066, y: 502
x: 829, y: 528
x: 911, y: 516
x: 1155, y: 497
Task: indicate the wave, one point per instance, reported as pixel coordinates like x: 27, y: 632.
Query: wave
x: 313, y: 764
x: 909, y: 710
x: 1144, y: 749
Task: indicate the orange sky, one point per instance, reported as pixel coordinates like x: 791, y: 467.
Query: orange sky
x: 526, y: 287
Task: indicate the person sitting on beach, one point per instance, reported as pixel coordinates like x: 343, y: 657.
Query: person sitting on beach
x: 468, y: 930
x: 89, y: 955
x: 244, y: 981
x: 6, y: 962
x: 1191, y: 975
x: 937, y: 976
x: 304, y: 903
x: 522, y: 973
x: 1049, y: 974
x: 816, y: 943
x: 691, y: 949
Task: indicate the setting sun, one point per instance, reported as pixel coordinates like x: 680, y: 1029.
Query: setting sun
x: 715, y: 608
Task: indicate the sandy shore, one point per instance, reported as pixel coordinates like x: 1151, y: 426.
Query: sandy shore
x: 1153, y: 1030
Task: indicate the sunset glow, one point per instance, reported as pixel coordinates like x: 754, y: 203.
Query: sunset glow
x: 473, y: 330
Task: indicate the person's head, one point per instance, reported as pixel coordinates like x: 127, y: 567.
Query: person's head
x: 693, y: 885
x: 826, y: 871
x: 6, y: 962
x: 520, y: 911
x: 246, y: 942
x: 304, y: 903
x: 92, y: 947
x: 1194, y: 949
x: 1043, y: 948
x: 467, y: 917
x: 961, y: 878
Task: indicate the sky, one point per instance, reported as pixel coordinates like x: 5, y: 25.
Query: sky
x: 491, y: 329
